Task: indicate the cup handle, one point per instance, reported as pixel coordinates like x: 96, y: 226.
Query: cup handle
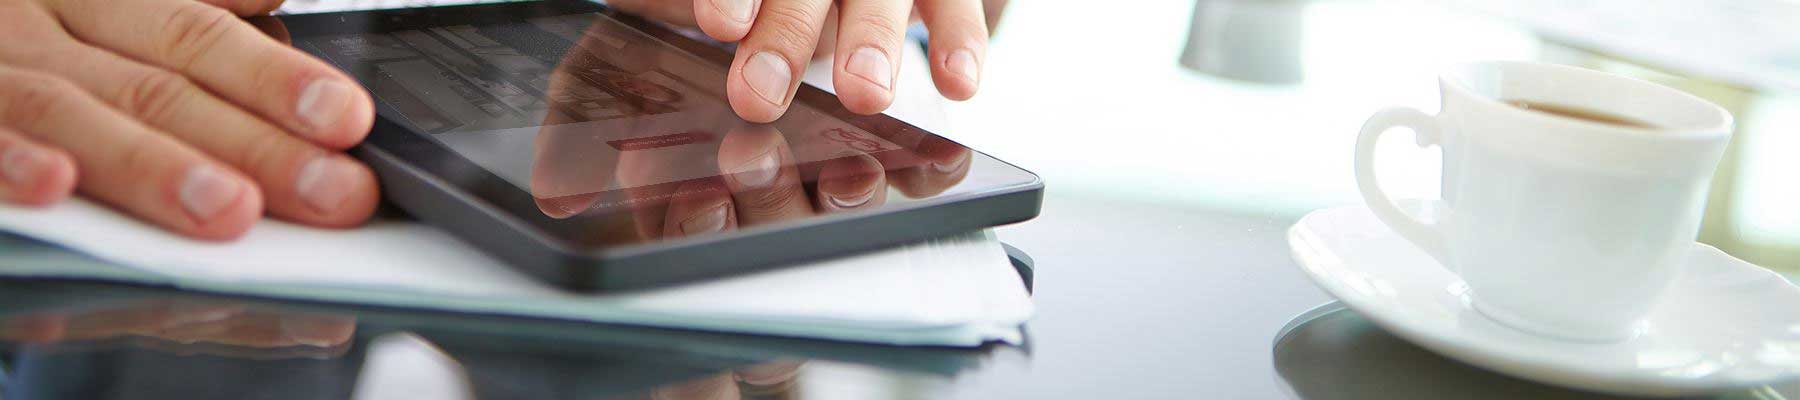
x: 1425, y: 128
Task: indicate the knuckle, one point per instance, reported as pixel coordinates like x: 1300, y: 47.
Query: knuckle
x: 154, y: 95
x: 789, y: 28
x: 25, y: 97
x: 883, y: 28
x: 193, y: 29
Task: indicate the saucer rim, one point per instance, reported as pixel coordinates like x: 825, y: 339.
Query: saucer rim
x: 1538, y: 369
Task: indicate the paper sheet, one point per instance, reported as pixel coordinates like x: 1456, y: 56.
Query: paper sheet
x: 953, y: 291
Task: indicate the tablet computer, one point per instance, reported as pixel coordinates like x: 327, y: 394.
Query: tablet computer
x: 596, y: 151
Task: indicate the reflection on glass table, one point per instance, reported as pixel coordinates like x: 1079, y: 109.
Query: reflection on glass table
x: 1332, y: 353
x: 83, y: 340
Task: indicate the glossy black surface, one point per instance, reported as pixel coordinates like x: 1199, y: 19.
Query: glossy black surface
x: 595, y: 128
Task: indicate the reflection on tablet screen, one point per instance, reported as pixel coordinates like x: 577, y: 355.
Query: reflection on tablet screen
x: 616, y: 132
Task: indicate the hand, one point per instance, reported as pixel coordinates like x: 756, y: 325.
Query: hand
x: 777, y: 38
x: 178, y: 112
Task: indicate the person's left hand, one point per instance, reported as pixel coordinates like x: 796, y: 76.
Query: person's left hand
x: 777, y: 38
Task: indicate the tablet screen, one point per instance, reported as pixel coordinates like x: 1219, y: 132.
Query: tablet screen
x: 619, y: 136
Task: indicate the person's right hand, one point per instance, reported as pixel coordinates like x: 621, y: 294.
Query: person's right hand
x: 733, y: 174
x: 178, y: 112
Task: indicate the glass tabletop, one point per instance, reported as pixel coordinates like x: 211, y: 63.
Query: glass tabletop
x: 1162, y: 269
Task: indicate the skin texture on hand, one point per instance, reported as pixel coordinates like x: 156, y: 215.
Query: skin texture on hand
x: 178, y: 112
x: 863, y: 39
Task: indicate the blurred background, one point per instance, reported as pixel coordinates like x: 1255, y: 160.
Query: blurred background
x: 1252, y: 106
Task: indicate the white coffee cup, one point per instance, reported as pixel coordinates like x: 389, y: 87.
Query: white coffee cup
x: 1561, y: 226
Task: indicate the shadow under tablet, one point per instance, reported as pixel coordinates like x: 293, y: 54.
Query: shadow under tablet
x: 1331, y: 352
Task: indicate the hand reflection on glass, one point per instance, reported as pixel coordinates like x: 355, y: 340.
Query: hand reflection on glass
x: 184, y: 327
x: 697, y: 168
x: 773, y: 379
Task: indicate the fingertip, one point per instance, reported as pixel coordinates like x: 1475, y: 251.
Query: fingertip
x: 955, y: 87
x: 59, y: 182
x: 334, y: 111
x: 49, y: 181
x: 865, y: 99
x: 725, y: 20
x: 749, y: 106
x: 358, y: 202
x: 566, y: 206
x: 700, y: 207
x: 851, y: 182
x: 234, y: 220
x: 958, y: 92
x: 957, y: 73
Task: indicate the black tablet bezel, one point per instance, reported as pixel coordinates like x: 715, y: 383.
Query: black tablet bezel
x: 416, y: 173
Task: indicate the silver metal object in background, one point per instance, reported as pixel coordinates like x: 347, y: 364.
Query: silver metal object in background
x: 1249, y: 40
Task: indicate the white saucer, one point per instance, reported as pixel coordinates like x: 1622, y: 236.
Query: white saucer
x: 1725, y: 325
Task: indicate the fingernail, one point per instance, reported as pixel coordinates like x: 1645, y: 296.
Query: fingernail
x: 759, y: 171
x: 207, y: 191
x: 952, y: 166
x: 962, y: 62
x: 849, y: 201
x: 712, y: 220
x: 872, y: 65
x: 22, y: 164
x: 324, y: 182
x: 322, y: 101
x: 768, y: 75
x: 737, y: 10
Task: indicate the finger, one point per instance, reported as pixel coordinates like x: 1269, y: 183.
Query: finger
x: 33, y: 328
x: 34, y: 174
x: 941, y: 164
x: 851, y: 182
x: 869, y: 36
x: 300, y: 180
x: 232, y: 59
x: 246, y: 7
x: 725, y: 20
x: 569, y: 168
x: 273, y: 27
x: 671, y: 12
x: 719, y: 386
x: 127, y: 164
x: 700, y: 207
x: 770, y: 373
x: 759, y: 169
x: 958, y: 45
x: 763, y: 77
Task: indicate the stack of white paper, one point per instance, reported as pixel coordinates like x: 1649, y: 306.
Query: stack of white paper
x: 958, y: 291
